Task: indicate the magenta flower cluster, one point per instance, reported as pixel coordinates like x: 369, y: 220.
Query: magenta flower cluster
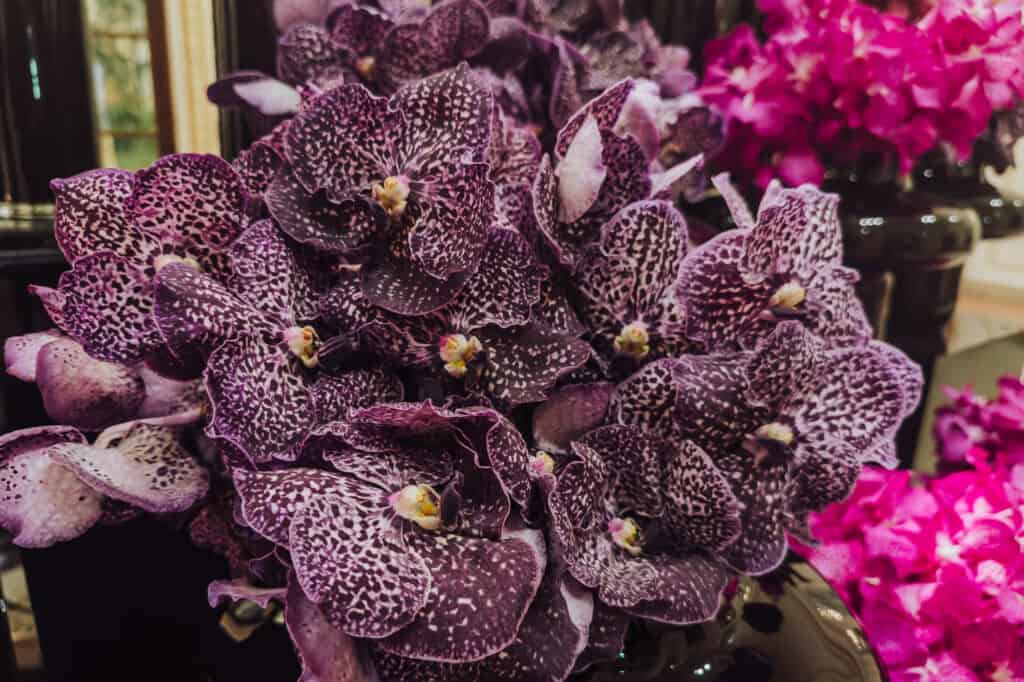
x: 837, y: 80
x: 934, y: 567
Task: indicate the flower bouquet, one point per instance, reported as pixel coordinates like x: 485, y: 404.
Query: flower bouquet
x: 933, y: 566
x: 434, y: 364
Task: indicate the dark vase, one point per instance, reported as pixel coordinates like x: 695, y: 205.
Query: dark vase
x: 788, y: 626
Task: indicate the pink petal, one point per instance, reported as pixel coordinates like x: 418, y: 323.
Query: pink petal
x: 581, y: 173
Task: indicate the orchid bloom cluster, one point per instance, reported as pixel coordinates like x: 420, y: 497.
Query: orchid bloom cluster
x: 462, y: 397
x: 972, y: 429
x: 837, y: 79
x: 934, y: 566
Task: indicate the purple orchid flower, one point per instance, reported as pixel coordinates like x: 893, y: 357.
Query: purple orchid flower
x: 408, y: 173
x: 117, y: 228
x: 406, y: 542
x: 605, y: 512
x: 789, y: 423
x: 54, y: 483
x: 784, y: 265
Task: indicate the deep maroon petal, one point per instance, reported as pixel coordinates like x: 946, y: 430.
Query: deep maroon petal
x: 452, y: 31
x: 89, y: 216
x: 690, y: 590
x: 410, y: 341
x: 480, y: 591
x: 452, y: 214
x: 763, y: 493
x: 628, y: 179
x: 308, y: 54
x: 360, y: 28
x: 515, y: 151
x: 22, y: 352
x: 241, y: 589
x: 504, y: 289
x: 523, y: 366
x: 738, y: 208
x: 194, y: 201
x: 271, y: 499
x: 711, y: 407
x: 909, y: 373
x: 335, y: 395
x: 257, y: 166
x: 700, y: 508
x: 786, y: 364
x: 553, y: 313
x: 569, y: 71
x: 826, y: 475
x: 42, y: 502
x: 698, y: 130
x: 326, y: 653
x: 107, y: 302
x: 344, y: 307
x: 341, y: 142
x: 402, y: 286
x: 334, y: 227
x: 81, y: 391
x: 259, y: 398
x: 605, y: 108
x: 356, y: 566
x: 569, y: 413
x: 509, y: 456
x: 582, y: 485
x: 835, y: 312
x: 634, y: 464
x: 647, y: 400
x: 148, y: 468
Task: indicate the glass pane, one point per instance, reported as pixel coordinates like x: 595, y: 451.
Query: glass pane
x: 135, y: 152
x: 118, y: 16
x: 123, y: 84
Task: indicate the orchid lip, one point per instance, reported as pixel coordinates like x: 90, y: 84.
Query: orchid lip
x: 418, y: 503
x: 304, y: 343
x: 457, y: 352
x: 163, y: 260
x: 788, y: 296
x: 393, y: 195
x: 365, y: 66
x: 625, y: 534
x: 541, y: 464
x: 633, y: 340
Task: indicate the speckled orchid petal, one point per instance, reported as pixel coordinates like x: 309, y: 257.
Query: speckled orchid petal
x: 313, y: 219
x: 738, y: 208
x: 479, y: 594
x: 522, y: 367
x: 392, y: 470
x: 613, y: 56
x: 722, y: 308
x: 858, y: 399
x: 607, y: 636
x: 634, y: 464
x: 569, y: 72
x: 308, y: 54
x: 267, y: 273
x: 504, y: 289
x: 83, y: 392
x: 763, y: 493
x: 52, y: 300
x: 89, y: 216
x: 834, y: 311
x: 106, y: 305
x: 21, y: 352
x: 909, y: 374
x: 647, y: 400
x: 259, y: 397
x: 257, y: 166
x: 581, y: 173
x: 453, y: 30
x: 628, y: 178
x: 553, y: 313
x: 569, y: 413
x: 193, y: 310
x: 698, y: 130
x: 631, y: 275
x: 241, y: 589
x: 271, y: 499
x: 266, y: 96
x: 550, y: 639
x: 403, y: 287
x: 368, y: 580
x: 700, y: 508
x: 544, y: 197
x: 711, y: 407
x: 515, y: 151
x: 824, y: 476
x: 786, y: 364
x: 335, y: 395
x: 605, y: 109
x: 360, y: 28
x: 692, y: 587
x: 42, y: 502
x: 581, y: 487
x: 194, y: 201
x: 148, y: 468
x: 326, y: 653
x: 509, y: 456
x: 797, y: 232
x: 342, y: 141
x: 512, y: 208
x: 453, y: 211
x: 409, y: 341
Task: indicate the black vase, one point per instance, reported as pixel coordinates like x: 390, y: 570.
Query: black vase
x: 788, y: 626
x: 963, y: 183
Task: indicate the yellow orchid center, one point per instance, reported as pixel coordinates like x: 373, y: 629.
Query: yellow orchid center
x: 392, y: 195
x: 788, y: 296
x: 633, y: 341
x: 542, y: 464
x: 457, y: 352
x: 303, y: 342
x: 625, y: 534
x: 161, y: 262
x: 364, y: 67
x: 777, y: 432
x: 418, y: 503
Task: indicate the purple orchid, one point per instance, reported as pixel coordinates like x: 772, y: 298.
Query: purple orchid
x: 117, y: 229
x: 785, y: 265
x: 789, y: 423
x: 405, y: 541
x: 53, y: 483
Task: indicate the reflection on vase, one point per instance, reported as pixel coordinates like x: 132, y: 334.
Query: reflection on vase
x: 788, y: 626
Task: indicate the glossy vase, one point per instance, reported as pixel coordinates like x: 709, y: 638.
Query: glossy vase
x: 788, y: 626
x: 962, y: 182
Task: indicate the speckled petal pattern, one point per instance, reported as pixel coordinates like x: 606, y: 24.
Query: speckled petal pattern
x: 21, y: 353
x: 692, y: 588
x: 762, y: 491
x: 402, y: 286
x: 335, y: 395
x: 89, y: 216
x: 569, y: 413
x: 522, y: 367
x: 700, y: 508
x: 634, y: 466
x: 307, y: 53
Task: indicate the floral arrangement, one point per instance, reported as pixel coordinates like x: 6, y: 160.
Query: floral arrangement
x: 933, y: 565
x: 436, y: 366
x: 837, y: 80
